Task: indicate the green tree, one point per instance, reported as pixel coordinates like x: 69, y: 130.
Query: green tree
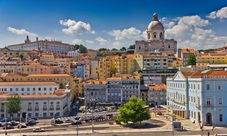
x: 21, y: 56
x: 123, y: 49
x: 82, y: 49
x: 77, y: 46
x: 13, y: 104
x: 131, y: 46
x: 103, y: 49
x: 191, y: 60
x: 141, y: 81
x: 114, y: 49
x: 133, y: 111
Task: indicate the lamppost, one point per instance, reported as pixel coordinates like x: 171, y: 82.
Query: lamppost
x: 213, y: 126
x: 92, y: 101
x: 5, y: 119
x: 172, y: 118
x: 201, y: 127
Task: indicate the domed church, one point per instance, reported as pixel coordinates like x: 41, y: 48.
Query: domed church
x: 156, y: 39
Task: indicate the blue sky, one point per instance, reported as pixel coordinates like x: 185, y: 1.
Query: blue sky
x: 111, y: 24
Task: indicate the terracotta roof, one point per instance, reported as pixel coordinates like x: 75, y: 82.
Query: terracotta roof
x: 187, y: 51
x: 26, y: 83
x: 130, y: 77
x: 156, y: 87
x: 207, y: 74
x: 13, y: 75
x: 95, y: 82
x: 48, y: 75
x: 114, y: 78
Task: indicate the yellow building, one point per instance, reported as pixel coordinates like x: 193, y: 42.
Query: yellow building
x: 176, y: 63
x: 47, y: 58
x: 105, y: 68
x: 79, y: 89
x: 13, y: 77
x: 151, y: 61
x: 124, y: 64
x: 13, y: 53
x: 212, y: 58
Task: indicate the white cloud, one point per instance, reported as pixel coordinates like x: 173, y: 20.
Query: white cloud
x: 101, y: 40
x: 189, y: 32
x: 130, y: 33
x: 20, y: 31
x: 88, y: 41
x: 76, y: 27
x: 77, y: 41
x: 222, y: 13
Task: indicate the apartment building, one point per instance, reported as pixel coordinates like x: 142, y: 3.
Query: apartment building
x: 184, y: 54
x: 94, y: 91
x: 199, y: 96
x: 157, y: 94
x: 124, y: 64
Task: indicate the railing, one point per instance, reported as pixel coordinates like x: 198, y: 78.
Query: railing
x: 51, y: 108
x: 209, y: 105
x: 44, y: 109
x: 29, y: 109
x: 36, y: 109
x: 57, y: 108
x: 197, y: 105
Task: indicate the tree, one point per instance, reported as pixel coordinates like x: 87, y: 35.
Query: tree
x: 123, y: 49
x: 134, y: 111
x: 82, y: 49
x: 131, y: 46
x: 141, y: 81
x: 114, y: 49
x: 103, y: 49
x: 13, y: 104
x: 191, y: 60
x: 21, y: 56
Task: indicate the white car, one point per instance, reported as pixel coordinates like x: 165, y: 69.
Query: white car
x: 38, y: 130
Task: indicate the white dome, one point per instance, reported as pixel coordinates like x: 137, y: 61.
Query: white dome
x: 155, y: 24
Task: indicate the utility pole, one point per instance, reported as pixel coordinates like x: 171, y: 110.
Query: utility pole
x: 77, y: 121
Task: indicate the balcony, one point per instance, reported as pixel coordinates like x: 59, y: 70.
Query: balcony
x: 58, y: 108
x: 197, y: 105
x: 29, y: 109
x: 51, y: 109
x: 37, y: 109
x: 2, y: 110
x: 44, y: 109
x: 178, y: 101
x: 209, y: 106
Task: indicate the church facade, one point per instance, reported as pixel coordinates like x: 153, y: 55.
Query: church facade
x: 156, y: 39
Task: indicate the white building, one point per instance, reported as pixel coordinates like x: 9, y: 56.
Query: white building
x: 156, y: 39
x: 37, y: 102
x: 28, y: 88
x: 73, y: 53
x: 43, y: 45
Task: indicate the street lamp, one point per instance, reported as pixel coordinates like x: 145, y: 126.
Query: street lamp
x: 201, y: 127
x: 93, y: 100
x: 172, y: 118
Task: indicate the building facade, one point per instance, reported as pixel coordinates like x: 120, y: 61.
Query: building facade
x: 156, y: 39
x: 43, y: 45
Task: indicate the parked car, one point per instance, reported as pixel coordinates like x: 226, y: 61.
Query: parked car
x: 6, y: 124
x: 5, y: 120
x: 67, y: 121
x: 8, y: 127
x: 76, y: 122
x: 14, y: 123
x: 38, y: 129
x: 21, y: 126
x: 58, y: 121
x: 34, y: 118
x: 30, y: 123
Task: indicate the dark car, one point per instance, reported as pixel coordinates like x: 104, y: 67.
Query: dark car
x: 58, y: 121
x: 30, y: 123
x: 21, y: 126
x: 5, y: 120
x: 34, y: 118
x: 8, y: 127
x: 76, y: 122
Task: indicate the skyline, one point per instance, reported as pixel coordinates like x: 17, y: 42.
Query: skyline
x: 113, y: 24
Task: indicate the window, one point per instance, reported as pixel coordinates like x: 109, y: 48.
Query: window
x: 208, y: 87
x: 220, y: 117
x: 220, y: 100
x: 28, y: 89
x: 208, y: 101
x: 39, y: 89
x: 33, y: 89
x: 219, y: 87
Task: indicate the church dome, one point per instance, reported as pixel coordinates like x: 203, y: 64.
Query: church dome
x: 155, y: 24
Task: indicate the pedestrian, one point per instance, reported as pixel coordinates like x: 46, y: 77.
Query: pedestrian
x: 208, y: 133
x: 182, y: 127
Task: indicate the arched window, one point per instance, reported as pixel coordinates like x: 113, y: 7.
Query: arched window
x: 154, y: 34
x: 148, y: 36
x: 161, y: 35
x: 220, y: 118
